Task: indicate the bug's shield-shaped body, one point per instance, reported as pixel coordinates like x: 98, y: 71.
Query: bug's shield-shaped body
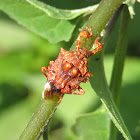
x: 70, y: 68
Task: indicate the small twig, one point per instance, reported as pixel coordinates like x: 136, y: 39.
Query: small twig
x: 116, y: 79
x: 40, y: 119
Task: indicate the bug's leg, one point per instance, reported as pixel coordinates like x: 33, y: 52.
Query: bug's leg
x: 81, y: 91
x: 89, y: 35
x: 85, y: 34
x: 61, y: 96
x: 44, y: 69
x: 86, y: 80
x: 99, y: 46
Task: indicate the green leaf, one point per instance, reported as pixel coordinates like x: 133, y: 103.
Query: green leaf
x: 130, y: 110
x: 93, y: 126
x: 38, y: 21
x: 99, y: 84
x: 59, y: 13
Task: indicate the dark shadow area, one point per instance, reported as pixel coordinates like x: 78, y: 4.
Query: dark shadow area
x: 10, y: 94
x: 134, y: 34
x: 73, y: 4
x: 55, y: 123
x: 134, y: 52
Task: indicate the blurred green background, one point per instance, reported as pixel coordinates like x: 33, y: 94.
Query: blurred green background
x: 22, y: 54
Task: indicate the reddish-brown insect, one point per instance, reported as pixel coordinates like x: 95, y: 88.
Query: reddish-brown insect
x: 70, y: 68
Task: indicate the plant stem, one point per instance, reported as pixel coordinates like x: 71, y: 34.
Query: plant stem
x: 40, y: 119
x: 99, y: 19
x: 119, y: 59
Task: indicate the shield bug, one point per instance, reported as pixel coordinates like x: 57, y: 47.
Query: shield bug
x: 71, y: 67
